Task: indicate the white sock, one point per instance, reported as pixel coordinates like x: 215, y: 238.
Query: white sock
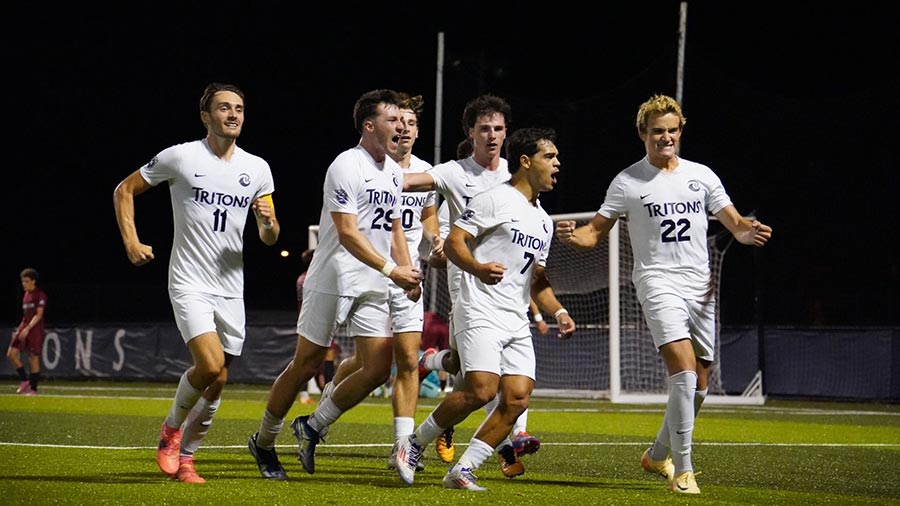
x: 403, y: 426
x: 326, y: 413
x: 521, y: 423
x: 269, y: 428
x: 699, y: 397
x: 660, y: 448
x: 196, y: 425
x: 185, y: 398
x: 436, y: 361
x: 680, y: 418
x: 476, y: 454
x: 428, y: 431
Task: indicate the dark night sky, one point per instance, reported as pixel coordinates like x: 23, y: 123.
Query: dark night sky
x: 794, y: 109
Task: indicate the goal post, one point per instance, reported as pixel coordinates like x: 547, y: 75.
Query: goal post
x: 596, y: 287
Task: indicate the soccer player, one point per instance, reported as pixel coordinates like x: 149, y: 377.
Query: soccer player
x: 666, y: 200
x: 361, y: 246
x: 30, y: 333
x: 485, y: 120
x: 418, y: 219
x: 501, y: 241
x: 213, y: 184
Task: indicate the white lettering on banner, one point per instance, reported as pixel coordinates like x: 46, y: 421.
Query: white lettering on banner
x: 51, y: 340
x: 82, y: 350
x: 117, y: 365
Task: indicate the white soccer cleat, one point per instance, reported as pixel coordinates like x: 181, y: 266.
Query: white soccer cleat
x: 407, y: 453
x: 392, y: 463
x: 461, y: 478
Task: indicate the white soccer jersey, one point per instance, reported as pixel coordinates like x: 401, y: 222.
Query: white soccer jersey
x: 511, y: 231
x: 355, y: 184
x: 411, y: 205
x: 458, y: 181
x: 210, y: 201
x: 667, y: 215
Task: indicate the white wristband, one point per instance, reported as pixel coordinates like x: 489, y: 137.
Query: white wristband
x: 268, y: 226
x: 559, y: 312
x: 538, y: 317
x: 388, y: 268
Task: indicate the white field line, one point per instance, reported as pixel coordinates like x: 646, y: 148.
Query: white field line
x: 429, y: 404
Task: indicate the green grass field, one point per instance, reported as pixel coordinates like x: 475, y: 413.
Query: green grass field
x: 94, y: 443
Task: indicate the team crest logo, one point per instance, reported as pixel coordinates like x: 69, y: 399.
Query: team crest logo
x: 694, y: 185
x: 153, y: 162
x: 544, y: 224
x: 467, y: 215
x: 341, y: 196
x: 244, y: 179
x: 395, y: 180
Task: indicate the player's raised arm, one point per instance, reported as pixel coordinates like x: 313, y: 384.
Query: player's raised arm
x: 417, y: 182
x: 585, y: 237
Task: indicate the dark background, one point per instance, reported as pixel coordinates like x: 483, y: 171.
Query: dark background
x: 796, y: 109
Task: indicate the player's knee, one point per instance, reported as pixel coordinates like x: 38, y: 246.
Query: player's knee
x: 407, y: 363
x: 480, y: 396
x: 297, y: 370
x: 206, y: 376
x: 515, y: 405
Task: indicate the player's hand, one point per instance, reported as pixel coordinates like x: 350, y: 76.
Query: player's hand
x: 406, y: 277
x: 566, y: 326
x: 757, y: 235
x: 761, y: 234
x: 263, y: 208
x: 22, y: 335
x: 437, y: 258
x: 565, y: 229
x: 437, y: 247
x: 491, y: 273
x: 415, y: 293
x: 139, y: 253
x: 542, y: 327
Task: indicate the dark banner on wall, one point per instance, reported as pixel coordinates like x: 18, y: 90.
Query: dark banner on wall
x: 153, y: 352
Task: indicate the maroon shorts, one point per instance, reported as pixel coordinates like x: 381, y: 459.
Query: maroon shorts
x: 33, y: 342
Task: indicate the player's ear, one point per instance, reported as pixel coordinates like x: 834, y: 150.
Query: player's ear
x: 524, y: 161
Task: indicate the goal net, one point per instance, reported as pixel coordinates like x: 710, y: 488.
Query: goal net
x: 612, y: 355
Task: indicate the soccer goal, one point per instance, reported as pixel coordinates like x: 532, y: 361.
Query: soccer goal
x: 612, y: 355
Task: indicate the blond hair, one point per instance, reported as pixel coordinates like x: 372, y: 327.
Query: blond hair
x: 658, y: 104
